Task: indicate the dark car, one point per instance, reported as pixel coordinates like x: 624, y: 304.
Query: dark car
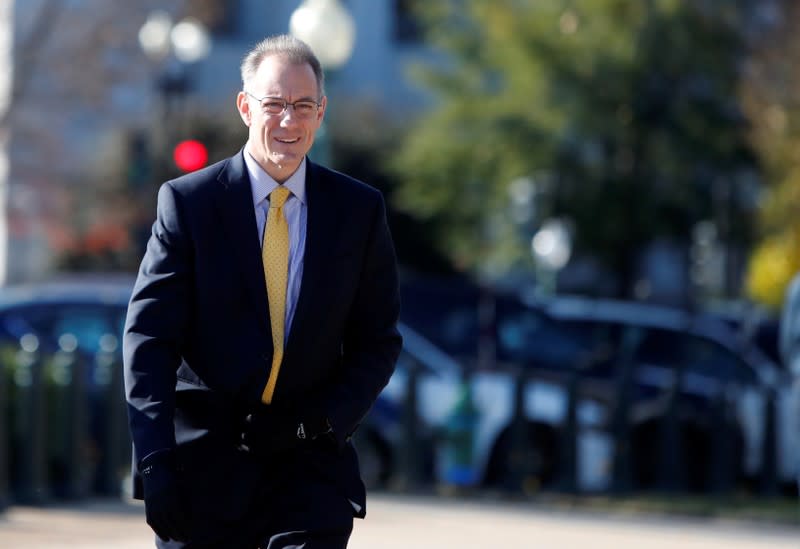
x: 92, y: 311
x: 752, y: 324
x: 483, y: 328
x: 60, y: 345
x: 722, y: 413
x: 688, y: 369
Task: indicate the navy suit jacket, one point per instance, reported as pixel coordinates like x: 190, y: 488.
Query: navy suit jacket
x: 197, y: 345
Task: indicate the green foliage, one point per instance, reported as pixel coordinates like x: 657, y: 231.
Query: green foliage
x: 629, y: 106
x: 771, y: 100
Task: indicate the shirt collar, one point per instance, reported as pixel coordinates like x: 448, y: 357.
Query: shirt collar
x: 262, y: 184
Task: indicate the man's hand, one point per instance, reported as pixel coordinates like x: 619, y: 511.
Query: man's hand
x: 268, y: 431
x: 164, y: 505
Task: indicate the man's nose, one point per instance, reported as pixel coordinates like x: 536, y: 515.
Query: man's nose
x: 289, y: 116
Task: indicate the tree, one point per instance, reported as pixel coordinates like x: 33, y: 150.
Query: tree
x: 18, y: 59
x: 771, y: 99
x: 80, y: 82
x: 629, y: 107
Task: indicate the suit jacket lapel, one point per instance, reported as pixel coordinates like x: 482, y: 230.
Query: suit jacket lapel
x: 239, y: 221
x: 320, y: 230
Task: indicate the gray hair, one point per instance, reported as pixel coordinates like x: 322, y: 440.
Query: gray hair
x: 297, y: 51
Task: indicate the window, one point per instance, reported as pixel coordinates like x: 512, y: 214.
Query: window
x: 660, y: 348
x: 14, y: 324
x: 704, y: 362
x: 87, y: 323
x: 445, y: 312
x: 595, y: 346
x: 532, y: 338
x: 708, y: 358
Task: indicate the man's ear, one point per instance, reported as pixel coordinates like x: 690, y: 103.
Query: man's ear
x: 243, y: 106
x: 323, y: 103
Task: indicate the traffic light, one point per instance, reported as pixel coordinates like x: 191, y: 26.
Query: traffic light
x: 190, y: 155
x: 139, y: 161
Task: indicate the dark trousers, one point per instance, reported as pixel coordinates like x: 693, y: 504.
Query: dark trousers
x: 284, y: 540
x: 299, y: 512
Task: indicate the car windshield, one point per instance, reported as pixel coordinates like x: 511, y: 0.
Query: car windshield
x: 55, y: 324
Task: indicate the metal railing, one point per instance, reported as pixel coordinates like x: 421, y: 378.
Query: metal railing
x: 63, y: 425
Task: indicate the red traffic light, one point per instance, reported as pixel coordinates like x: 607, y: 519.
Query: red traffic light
x: 190, y: 155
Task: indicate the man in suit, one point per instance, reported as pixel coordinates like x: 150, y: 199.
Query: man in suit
x: 261, y: 329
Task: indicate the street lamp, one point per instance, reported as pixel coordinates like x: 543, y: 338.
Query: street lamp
x: 552, y: 248
x: 328, y: 28
x: 173, y: 46
x: 188, y: 39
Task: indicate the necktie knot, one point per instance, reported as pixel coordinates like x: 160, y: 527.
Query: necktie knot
x: 278, y: 196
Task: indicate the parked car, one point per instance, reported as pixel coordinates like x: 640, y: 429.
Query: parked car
x: 72, y: 325
x: 724, y: 381
x: 445, y: 311
x: 467, y: 338
x: 725, y: 388
x: 442, y: 382
x: 754, y: 324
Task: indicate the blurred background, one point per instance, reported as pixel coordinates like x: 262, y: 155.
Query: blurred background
x: 594, y: 204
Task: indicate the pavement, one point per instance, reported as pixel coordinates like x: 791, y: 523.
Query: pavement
x: 396, y: 522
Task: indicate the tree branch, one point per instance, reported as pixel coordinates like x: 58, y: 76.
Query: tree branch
x: 27, y: 50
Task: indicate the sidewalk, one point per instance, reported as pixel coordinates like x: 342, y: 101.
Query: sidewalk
x: 86, y: 525
x: 403, y: 522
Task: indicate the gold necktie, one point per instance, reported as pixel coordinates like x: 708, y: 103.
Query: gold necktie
x: 275, y: 256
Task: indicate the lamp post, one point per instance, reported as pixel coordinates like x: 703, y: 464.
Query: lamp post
x: 172, y: 46
x: 530, y: 211
x: 328, y: 28
x: 552, y: 248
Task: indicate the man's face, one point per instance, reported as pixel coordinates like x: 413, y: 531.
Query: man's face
x: 279, y: 142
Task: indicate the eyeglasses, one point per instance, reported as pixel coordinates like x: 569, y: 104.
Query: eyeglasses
x: 276, y: 106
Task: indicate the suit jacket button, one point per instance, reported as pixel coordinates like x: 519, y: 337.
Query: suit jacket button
x: 265, y: 357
